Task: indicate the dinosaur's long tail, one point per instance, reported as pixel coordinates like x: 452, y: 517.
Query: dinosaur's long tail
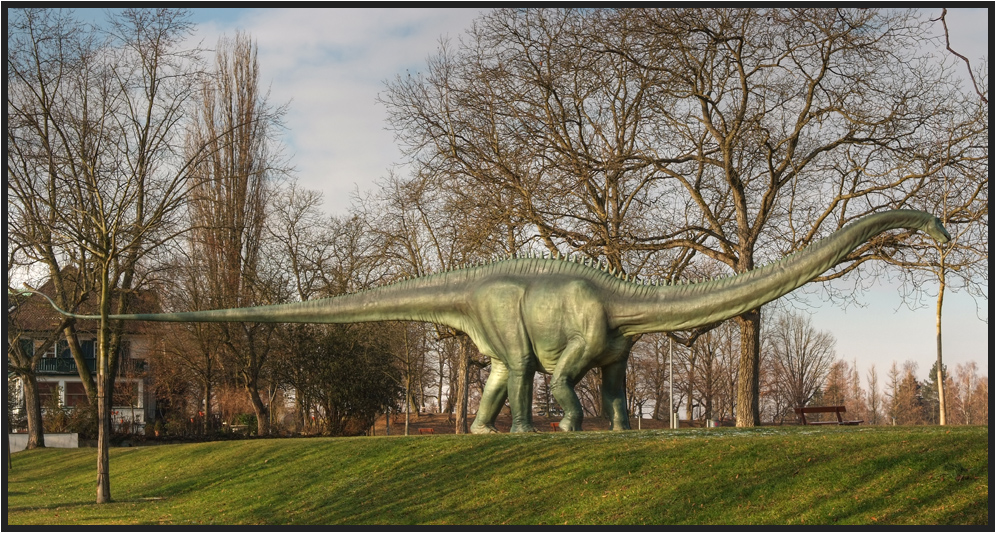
x: 422, y: 299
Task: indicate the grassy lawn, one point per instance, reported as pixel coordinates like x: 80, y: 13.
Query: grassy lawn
x: 784, y: 475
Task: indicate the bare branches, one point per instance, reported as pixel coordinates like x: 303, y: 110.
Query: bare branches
x: 664, y: 139
x: 236, y: 165
x: 802, y: 357
x: 968, y: 64
x: 93, y: 157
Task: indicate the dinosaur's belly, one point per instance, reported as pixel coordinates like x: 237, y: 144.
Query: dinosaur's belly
x: 564, y: 318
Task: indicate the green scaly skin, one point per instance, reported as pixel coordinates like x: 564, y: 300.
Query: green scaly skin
x: 562, y: 316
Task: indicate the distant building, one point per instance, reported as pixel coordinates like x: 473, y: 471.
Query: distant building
x: 57, y: 374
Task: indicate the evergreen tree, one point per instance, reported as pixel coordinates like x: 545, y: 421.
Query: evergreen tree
x: 931, y: 402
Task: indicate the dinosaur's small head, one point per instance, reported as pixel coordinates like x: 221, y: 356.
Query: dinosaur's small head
x: 936, y: 230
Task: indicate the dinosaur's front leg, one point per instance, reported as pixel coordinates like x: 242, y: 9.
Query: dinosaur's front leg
x: 492, y: 399
x: 614, y: 395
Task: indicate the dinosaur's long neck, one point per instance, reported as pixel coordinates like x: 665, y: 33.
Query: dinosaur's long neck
x: 673, y: 308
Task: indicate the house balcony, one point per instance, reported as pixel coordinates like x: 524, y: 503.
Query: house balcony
x: 66, y: 365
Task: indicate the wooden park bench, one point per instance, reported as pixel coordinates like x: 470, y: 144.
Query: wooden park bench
x: 426, y: 431
x: 835, y: 409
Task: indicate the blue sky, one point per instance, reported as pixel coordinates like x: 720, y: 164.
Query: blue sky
x: 330, y: 64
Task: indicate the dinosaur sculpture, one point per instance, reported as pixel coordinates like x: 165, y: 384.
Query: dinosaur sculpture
x: 564, y: 316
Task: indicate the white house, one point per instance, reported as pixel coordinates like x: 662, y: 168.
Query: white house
x: 34, y: 320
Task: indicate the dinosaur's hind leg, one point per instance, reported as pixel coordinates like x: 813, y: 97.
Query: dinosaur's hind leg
x: 614, y: 395
x: 492, y: 399
x: 569, y: 371
x: 520, y: 395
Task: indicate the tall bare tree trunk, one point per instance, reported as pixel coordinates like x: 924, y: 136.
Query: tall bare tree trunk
x: 690, y: 384
x: 439, y: 386
x: 104, y: 393
x: 261, y: 411
x: 229, y: 200
x: 103, y: 435
x: 207, y: 398
x: 107, y: 188
x: 940, y: 366
x: 463, y: 393
x: 748, y: 385
x: 408, y: 403
x: 32, y: 407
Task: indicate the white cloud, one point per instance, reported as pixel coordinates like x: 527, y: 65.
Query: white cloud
x: 330, y: 64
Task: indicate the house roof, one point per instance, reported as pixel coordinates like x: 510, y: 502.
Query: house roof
x: 30, y: 312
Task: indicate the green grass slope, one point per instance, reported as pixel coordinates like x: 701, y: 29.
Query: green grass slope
x: 790, y: 475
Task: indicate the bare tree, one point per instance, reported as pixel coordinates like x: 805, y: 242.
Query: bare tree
x: 50, y: 61
x: 961, y: 196
x: 856, y: 401
x: 651, y: 374
x: 311, y: 247
x: 874, y: 397
x: 688, y: 361
x: 409, y: 353
x: 905, y: 397
x: 802, y: 357
x: 712, y: 373
x: 676, y: 136
x: 971, y: 395
x: 102, y: 112
x: 646, y: 378
x: 769, y: 159
x: 228, y: 199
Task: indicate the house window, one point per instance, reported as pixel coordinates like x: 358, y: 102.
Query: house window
x: 46, y: 391
x: 75, y: 394
x: 126, y: 393
x: 61, y: 349
x: 27, y: 347
x: 52, y: 350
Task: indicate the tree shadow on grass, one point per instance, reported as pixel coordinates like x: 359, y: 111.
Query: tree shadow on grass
x: 733, y: 476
